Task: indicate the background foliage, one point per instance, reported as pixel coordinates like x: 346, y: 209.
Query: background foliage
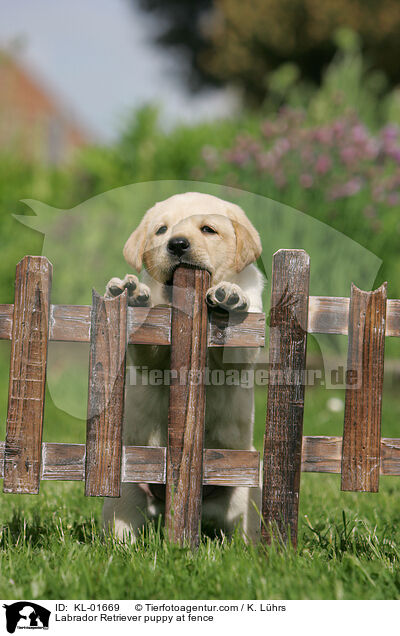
x: 333, y: 153
x: 240, y: 43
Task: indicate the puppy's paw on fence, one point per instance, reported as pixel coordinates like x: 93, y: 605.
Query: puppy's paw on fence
x: 227, y: 296
x: 138, y: 293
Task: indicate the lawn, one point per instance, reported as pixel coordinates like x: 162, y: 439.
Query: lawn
x: 349, y: 543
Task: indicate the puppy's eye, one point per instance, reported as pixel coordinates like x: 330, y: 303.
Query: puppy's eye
x: 208, y: 230
x: 162, y: 229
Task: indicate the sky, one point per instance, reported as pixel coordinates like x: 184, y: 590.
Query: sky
x: 97, y: 56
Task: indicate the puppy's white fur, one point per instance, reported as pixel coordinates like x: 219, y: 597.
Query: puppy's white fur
x: 228, y: 252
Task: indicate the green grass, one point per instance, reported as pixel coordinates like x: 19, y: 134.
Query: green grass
x: 349, y: 543
x: 51, y: 548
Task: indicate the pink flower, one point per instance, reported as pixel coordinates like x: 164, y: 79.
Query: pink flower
x: 268, y: 129
x: 323, y: 164
x: 338, y: 129
x: 324, y: 135
x: 238, y: 157
x: 371, y: 149
x: 348, y: 155
x: 266, y: 161
x: 306, y: 180
x: 359, y: 134
x: 347, y: 189
x: 394, y: 153
x: 393, y: 198
x: 352, y: 187
x: 390, y: 132
x: 282, y: 146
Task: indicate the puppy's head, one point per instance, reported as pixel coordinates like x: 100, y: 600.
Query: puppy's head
x: 198, y: 229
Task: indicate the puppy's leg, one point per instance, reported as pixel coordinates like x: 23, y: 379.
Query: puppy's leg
x: 235, y: 508
x: 228, y: 296
x: 252, y: 517
x: 125, y: 515
x: 138, y: 293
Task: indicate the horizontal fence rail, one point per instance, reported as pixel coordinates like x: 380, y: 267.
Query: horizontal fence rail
x: 222, y: 467
x: 72, y: 323
x: 320, y: 454
x: 330, y: 314
x: 326, y: 314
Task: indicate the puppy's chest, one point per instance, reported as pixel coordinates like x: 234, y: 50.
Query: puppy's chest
x: 228, y: 406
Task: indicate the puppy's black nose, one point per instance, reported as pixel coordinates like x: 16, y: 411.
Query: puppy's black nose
x: 177, y: 245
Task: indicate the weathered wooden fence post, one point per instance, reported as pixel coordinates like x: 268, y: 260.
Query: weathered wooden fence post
x: 30, y: 332
x: 361, y: 456
x: 284, y: 425
x: 108, y: 342
x: 187, y: 405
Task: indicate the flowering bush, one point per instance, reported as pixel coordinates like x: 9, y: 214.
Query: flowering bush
x: 338, y: 160
x: 339, y: 172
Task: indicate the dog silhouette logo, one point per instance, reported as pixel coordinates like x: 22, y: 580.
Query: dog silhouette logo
x: 26, y: 615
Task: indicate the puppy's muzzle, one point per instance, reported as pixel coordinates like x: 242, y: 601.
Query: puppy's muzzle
x: 178, y: 245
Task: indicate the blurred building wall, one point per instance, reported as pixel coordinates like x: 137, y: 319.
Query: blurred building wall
x: 33, y: 123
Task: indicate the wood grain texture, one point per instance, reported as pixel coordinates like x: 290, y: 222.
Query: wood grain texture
x: 284, y: 424
x: 27, y: 375
x: 364, y: 384
x: 6, y: 321
x: 321, y: 454
x: 107, y: 360
x: 328, y: 314
x: 393, y: 317
x: 71, y: 323
x: 331, y: 315
x: 324, y: 455
x: 390, y: 456
x: 63, y: 462
x: 236, y: 330
x: 231, y: 467
x: 187, y: 405
x: 147, y: 464
x: 149, y: 325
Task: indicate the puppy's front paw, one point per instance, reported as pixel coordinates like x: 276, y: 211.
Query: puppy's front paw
x: 138, y: 293
x: 227, y: 296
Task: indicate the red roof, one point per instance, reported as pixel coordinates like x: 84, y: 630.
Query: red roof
x: 32, y: 121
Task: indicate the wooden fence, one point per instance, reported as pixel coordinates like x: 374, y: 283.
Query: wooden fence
x: 185, y: 466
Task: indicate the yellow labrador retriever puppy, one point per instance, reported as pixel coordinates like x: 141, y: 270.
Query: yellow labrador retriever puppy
x: 202, y: 230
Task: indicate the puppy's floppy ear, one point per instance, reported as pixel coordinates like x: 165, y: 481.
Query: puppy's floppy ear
x: 248, y: 245
x: 248, y: 242
x: 135, y: 246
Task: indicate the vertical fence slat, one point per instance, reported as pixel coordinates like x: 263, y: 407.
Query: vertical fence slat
x: 363, y: 404
x: 187, y: 405
x: 27, y: 383
x: 108, y: 340
x: 284, y: 425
